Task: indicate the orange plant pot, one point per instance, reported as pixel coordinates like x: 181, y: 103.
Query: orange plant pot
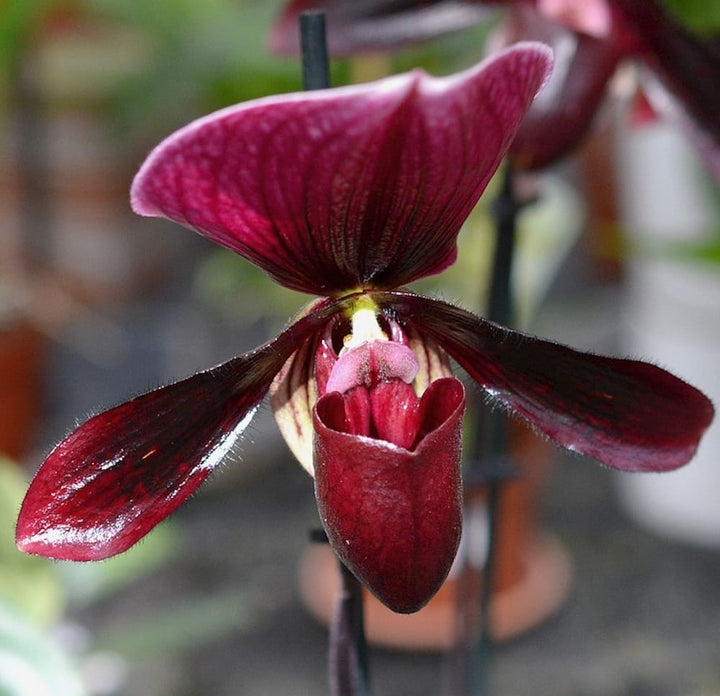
x: 21, y: 354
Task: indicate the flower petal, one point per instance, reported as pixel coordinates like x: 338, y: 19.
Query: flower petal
x: 113, y: 479
x: 564, y: 111
x: 591, y: 17
x: 675, y: 54
x: 628, y: 414
x: 340, y: 189
x: 394, y: 407
x: 392, y: 515
x: 370, y: 360
x: 361, y: 25
x: 293, y: 393
x: 306, y: 374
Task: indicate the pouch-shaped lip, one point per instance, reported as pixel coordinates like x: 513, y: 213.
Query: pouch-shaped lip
x: 392, y: 515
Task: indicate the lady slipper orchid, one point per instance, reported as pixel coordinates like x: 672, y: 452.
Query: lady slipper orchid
x: 351, y: 194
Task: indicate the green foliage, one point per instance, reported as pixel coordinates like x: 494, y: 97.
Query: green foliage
x: 32, y: 597
x: 170, y: 630
x: 30, y: 663
x: 448, y: 53
x: 701, y: 16
x: 18, y: 20
x: 202, y: 56
x: 28, y: 584
x: 704, y: 253
x: 149, y: 66
x: 237, y: 289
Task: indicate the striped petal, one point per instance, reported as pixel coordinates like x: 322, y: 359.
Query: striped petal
x: 628, y: 414
x: 334, y: 190
x: 113, y: 479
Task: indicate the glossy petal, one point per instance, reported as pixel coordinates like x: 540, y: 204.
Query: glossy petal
x: 361, y: 25
x: 394, y: 407
x: 340, y: 189
x: 627, y: 414
x: 113, y: 479
x: 391, y: 514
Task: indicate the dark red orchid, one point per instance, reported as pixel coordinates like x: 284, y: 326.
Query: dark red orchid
x: 673, y: 54
x: 589, y: 38
x: 350, y: 194
x: 589, y: 44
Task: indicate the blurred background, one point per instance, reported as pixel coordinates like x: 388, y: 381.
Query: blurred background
x: 618, y: 255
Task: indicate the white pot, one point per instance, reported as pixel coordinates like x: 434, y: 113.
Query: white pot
x: 672, y: 317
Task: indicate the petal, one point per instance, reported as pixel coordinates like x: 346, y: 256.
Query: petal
x: 293, y: 391
x: 306, y: 374
x: 395, y: 408
x: 675, y: 55
x: 339, y: 189
x: 372, y: 360
x: 393, y: 516
x: 591, y: 17
x: 628, y: 414
x: 564, y: 111
x: 356, y: 415
x: 113, y: 479
x: 292, y: 395
x: 361, y: 25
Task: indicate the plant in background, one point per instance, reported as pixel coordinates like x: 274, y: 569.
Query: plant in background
x: 590, y: 38
x: 350, y: 194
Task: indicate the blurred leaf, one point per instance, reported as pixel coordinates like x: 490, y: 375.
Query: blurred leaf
x: 448, y: 53
x: 17, y: 20
x: 199, y: 620
x: 30, y: 664
x: 28, y: 584
x: 706, y: 252
x: 203, y: 56
x: 238, y: 289
x: 699, y: 16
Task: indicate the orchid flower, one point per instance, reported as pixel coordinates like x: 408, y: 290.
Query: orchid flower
x: 590, y: 39
x: 350, y: 194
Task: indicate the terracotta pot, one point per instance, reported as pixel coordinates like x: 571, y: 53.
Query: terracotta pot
x: 21, y: 352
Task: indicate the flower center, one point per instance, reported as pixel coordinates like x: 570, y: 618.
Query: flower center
x: 374, y: 375
x: 368, y: 357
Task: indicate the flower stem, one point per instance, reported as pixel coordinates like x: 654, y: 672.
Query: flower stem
x: 347, y: 654
x: 347, y: 662
x: 313, y: 45
x: 506, y: 209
